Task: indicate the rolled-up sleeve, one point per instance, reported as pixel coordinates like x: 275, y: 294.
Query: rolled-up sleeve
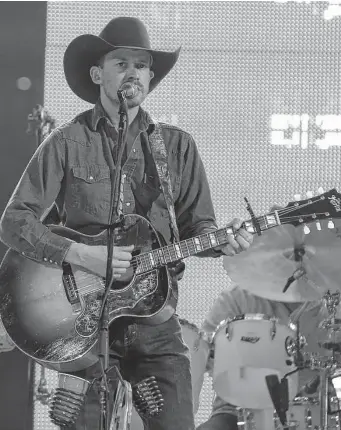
x: 20, y: 226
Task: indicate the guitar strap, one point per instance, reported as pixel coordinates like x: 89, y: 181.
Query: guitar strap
x: 160, y: 157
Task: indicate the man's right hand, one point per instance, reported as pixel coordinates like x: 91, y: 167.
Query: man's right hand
x: 94, y: 258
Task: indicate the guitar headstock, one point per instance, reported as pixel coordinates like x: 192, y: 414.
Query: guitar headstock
x: 324, y: 206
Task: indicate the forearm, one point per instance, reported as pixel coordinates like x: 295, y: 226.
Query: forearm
x: 76, y: 254
x: 22, y: 231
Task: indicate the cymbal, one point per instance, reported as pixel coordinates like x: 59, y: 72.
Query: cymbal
x: 280, y: 252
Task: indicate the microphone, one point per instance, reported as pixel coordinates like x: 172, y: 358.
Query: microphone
x: 147, y: 397
x: 128, y: 90
x: 310, y: 387
x: 68, y: 399
x: 279, y: 394
x: 296, y: 275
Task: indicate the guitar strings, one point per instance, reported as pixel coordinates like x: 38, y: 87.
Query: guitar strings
x: 143, y: 258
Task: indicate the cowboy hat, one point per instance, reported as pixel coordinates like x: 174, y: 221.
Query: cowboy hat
x: 122, y: 32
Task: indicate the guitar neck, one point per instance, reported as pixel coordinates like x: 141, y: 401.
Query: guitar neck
x: 195, y: 245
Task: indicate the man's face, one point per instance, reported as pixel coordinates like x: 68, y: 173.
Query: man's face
x: 125, y: 65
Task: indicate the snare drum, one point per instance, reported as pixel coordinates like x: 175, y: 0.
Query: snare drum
x: 199, y: 351
x: 247, y: 349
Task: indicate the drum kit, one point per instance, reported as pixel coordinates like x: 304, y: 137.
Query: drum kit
x: 258, y: 359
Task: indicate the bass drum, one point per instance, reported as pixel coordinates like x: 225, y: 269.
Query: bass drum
x: 199, y: 352
x: 246, y: 350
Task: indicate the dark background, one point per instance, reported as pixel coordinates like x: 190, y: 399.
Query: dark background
x: 22, y: 54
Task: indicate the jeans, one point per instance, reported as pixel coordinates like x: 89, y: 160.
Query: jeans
x: 141, y: 351
x: 220, y: 422
x: 223, y: 417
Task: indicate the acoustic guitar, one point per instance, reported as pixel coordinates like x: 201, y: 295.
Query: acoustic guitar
x: 52, y: 313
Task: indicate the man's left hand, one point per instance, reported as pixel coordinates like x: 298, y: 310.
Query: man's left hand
x: 241, y: 241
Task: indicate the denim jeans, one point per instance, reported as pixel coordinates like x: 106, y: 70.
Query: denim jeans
x: 223, y: 417
x: 220, y: 422
x: 141, y: 351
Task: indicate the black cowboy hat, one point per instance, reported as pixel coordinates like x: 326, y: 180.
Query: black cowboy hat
x: 122, y: 32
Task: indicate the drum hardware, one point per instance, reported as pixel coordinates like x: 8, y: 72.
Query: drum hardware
x: 331, y: 304
x: 42, y: 392
x: 240, y: 380
x: 309, y: 262
x: 254, y: 317
x: 248, y: 419
x: 245, y: 419
x: 278, y: 254
x: 324, y: 375
x: 304, y: 413
x: 273, y: 328
x: 122, y: 409
x: 294, y: 346
x: 327, y: 405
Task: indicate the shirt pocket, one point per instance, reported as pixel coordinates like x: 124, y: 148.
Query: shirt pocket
x: 90, y: 188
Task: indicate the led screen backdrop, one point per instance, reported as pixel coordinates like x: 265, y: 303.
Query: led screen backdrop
x: 258, y: 84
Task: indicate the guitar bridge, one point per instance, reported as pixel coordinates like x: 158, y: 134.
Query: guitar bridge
x: 70, y: 287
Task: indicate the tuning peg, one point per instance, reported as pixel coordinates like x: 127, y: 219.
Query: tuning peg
x: 309, y: 194
x: 297, y: 197
x: 306, y: 229
x: 330, y: 224
x: 318, y: 225
x: 320, y: 190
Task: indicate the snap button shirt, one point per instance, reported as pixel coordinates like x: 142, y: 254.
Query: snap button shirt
x: 72, y: 168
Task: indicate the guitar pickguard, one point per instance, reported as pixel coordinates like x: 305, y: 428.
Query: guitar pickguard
x: 86, y: 324
x: 138, y: 295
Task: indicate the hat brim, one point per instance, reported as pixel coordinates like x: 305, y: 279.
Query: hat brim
x: 85, y: 51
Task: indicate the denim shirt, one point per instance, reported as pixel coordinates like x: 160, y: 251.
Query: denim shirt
x: 72, y: 167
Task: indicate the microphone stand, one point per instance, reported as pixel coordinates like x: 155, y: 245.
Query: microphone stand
x: 103, y: 354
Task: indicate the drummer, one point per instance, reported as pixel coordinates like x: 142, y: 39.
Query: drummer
x: 235, y: 301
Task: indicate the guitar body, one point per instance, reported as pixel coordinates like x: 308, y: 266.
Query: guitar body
x: 52, y: 313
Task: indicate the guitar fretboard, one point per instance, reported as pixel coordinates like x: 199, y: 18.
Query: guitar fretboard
x: 189, y: 247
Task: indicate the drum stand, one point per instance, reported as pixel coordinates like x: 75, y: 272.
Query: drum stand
x: 324, y: 400
x: 328, y: 365
x: 123, y: 405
